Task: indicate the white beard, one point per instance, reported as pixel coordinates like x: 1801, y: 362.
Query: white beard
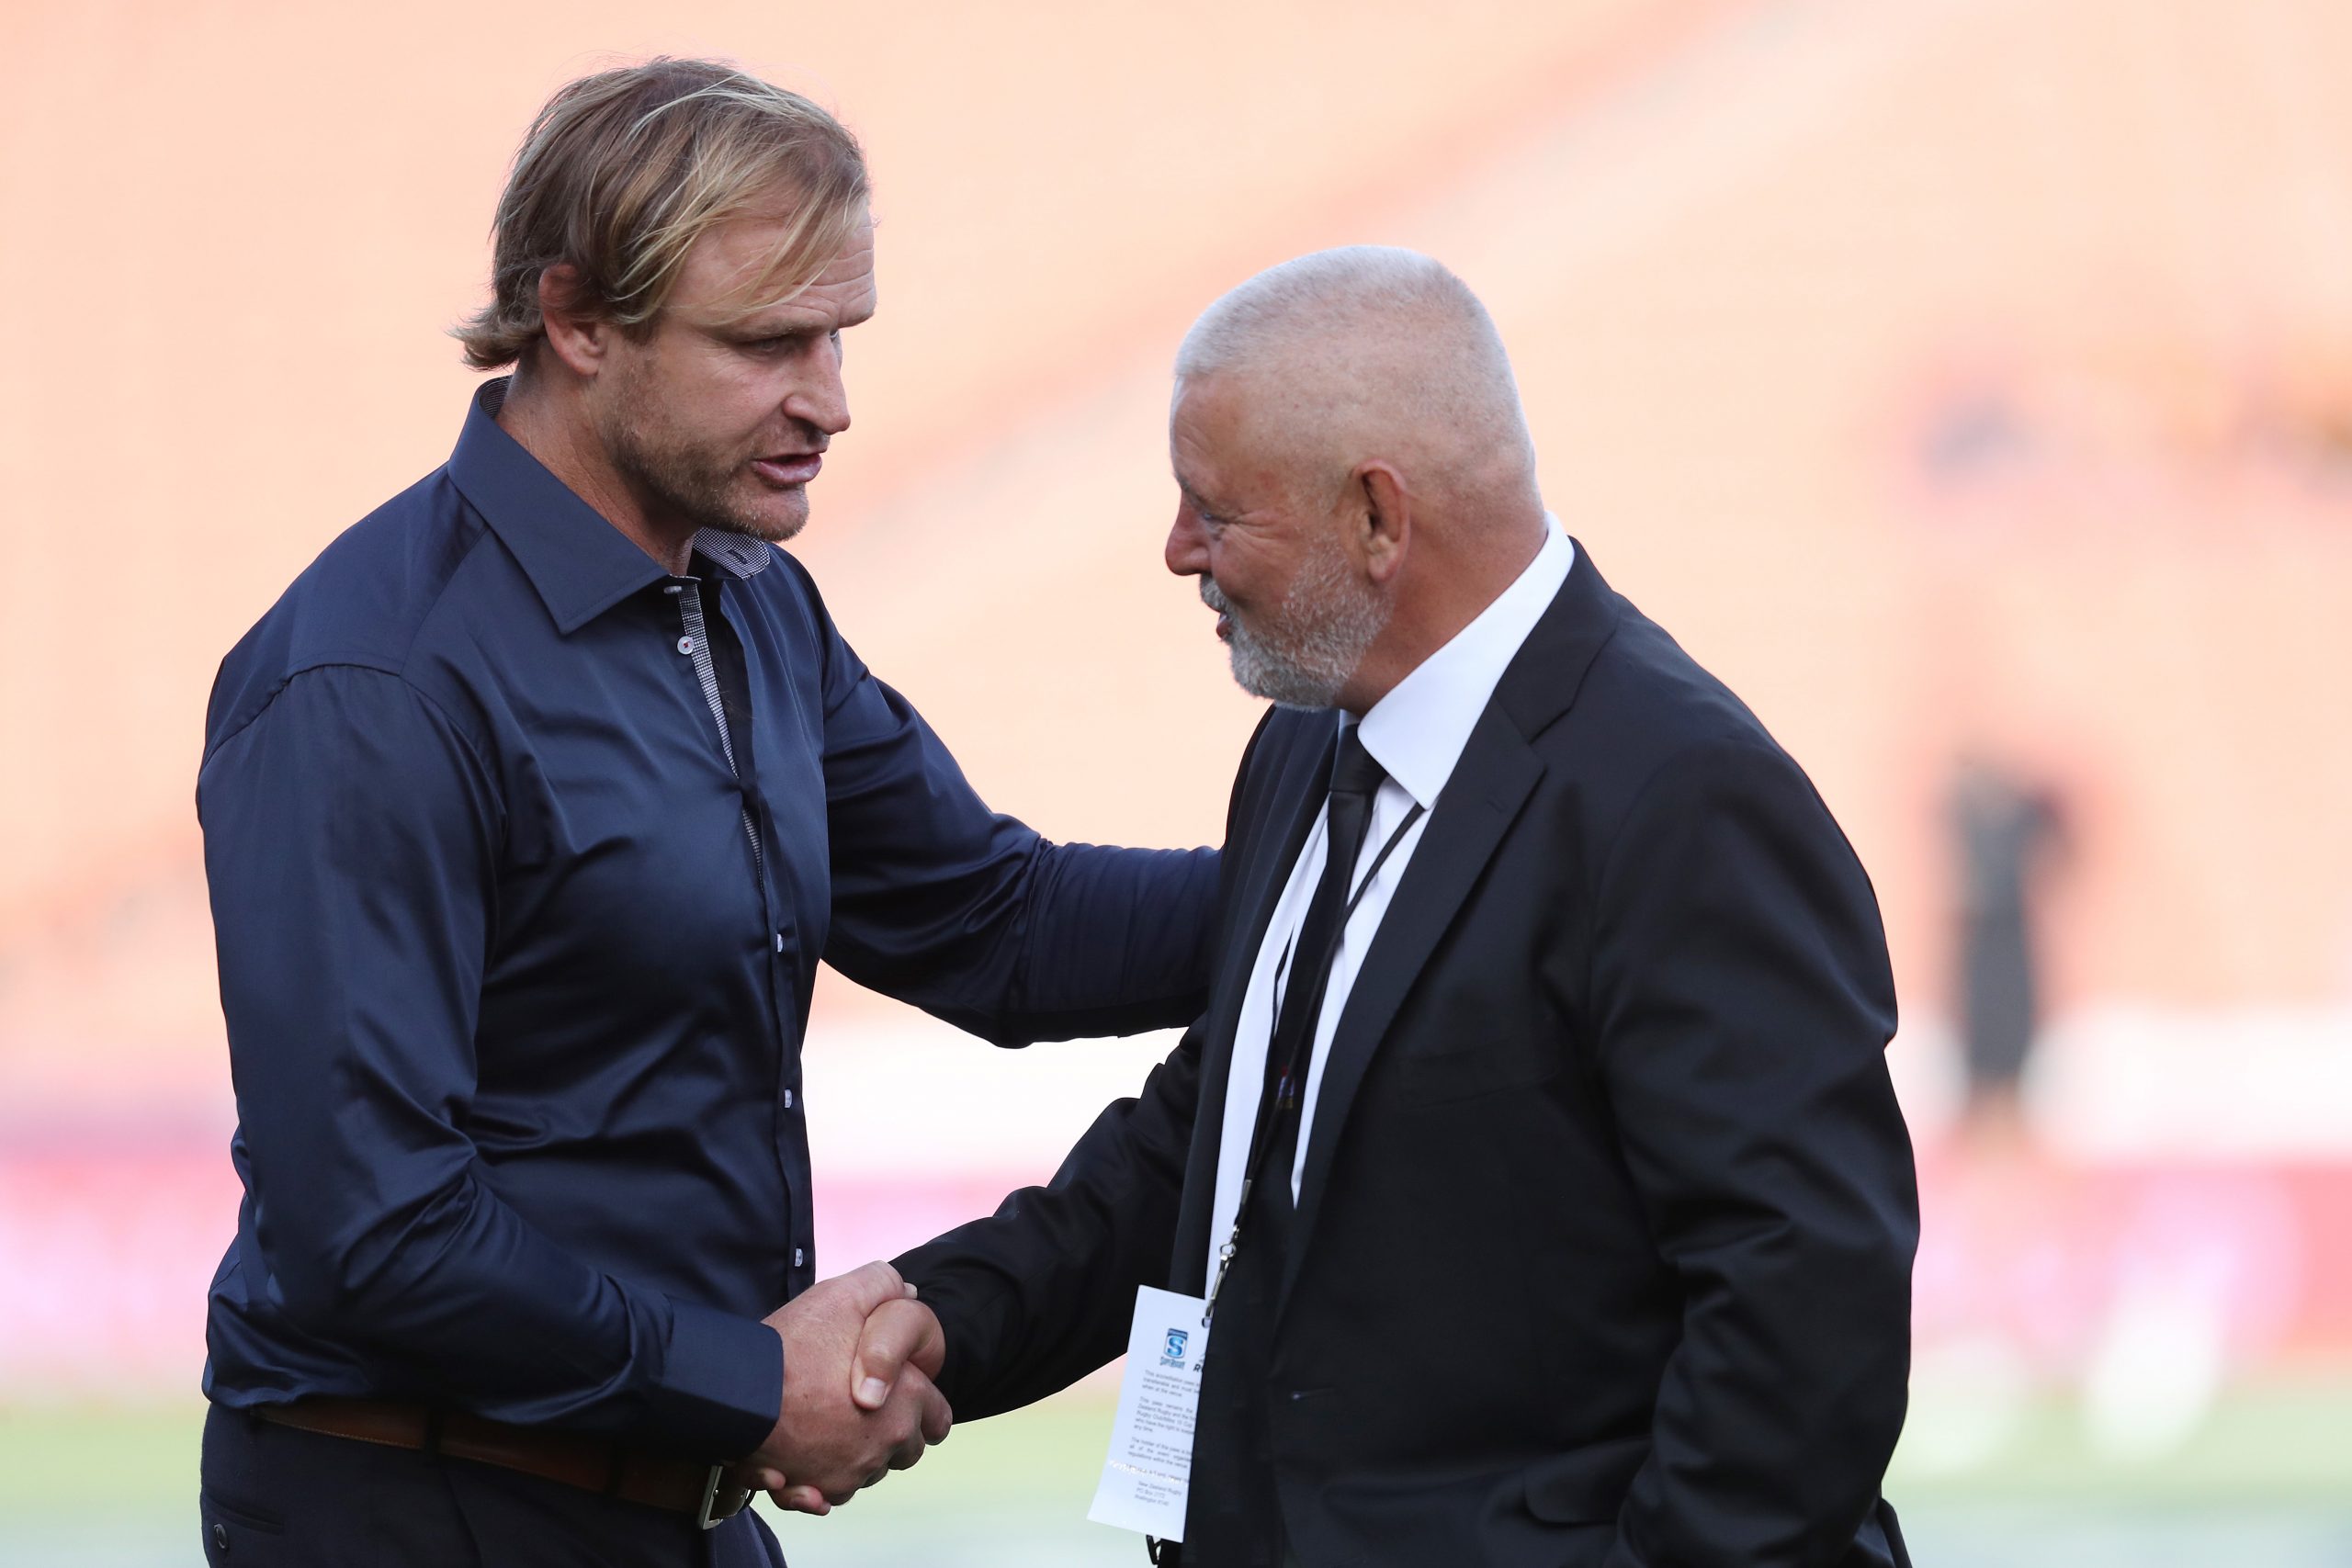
x: 1311, y: 643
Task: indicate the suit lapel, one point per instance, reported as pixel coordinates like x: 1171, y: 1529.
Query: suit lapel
x: 1498, y: 770
x: 1482, y: 799
x: 1294, y: 799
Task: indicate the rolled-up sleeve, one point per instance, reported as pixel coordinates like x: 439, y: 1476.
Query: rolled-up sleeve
x: 351, y: 837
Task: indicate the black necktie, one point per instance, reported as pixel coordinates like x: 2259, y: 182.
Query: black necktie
x: 1355, y: 779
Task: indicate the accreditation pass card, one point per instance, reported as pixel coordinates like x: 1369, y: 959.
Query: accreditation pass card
x: 1150, y: 1465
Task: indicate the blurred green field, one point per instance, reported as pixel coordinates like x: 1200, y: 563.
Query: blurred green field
x: 2265, y: 1482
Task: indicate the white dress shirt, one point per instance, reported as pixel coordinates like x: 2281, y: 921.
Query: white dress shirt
x: 1416, y: 733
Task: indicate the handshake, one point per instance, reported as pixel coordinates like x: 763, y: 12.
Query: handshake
x: 859, y: 1355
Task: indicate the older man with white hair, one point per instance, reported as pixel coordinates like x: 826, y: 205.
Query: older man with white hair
x: 1535, y: 1161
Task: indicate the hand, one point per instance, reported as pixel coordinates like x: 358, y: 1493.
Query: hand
x: 898, y: 1335
x: 858, y: 1400
x: 901, y: 1338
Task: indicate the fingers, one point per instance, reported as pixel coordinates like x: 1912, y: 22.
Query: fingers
x: 916, y: 1416
x: 756, y: 1477
x: 897, y: 1334
x: 931, y: 1347
x: 924, y: 1411
x: 938, y: 1417
x: 869, y: 1285
x: 864, y: 1329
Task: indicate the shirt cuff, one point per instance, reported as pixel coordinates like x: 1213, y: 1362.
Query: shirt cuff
x: 720, y: 1386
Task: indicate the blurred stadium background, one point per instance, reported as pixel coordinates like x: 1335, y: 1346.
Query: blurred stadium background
x: 1968, y: 381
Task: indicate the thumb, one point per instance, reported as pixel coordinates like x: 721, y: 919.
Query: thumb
x: 897, y: 1333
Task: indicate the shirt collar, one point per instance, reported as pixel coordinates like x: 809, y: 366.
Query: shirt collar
x: 579, y: 563
x: 1416, y: 732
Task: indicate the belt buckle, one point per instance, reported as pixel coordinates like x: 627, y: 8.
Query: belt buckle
x: 720, y: 1502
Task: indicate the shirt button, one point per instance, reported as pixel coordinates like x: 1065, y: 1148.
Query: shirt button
x: 779, y: 941
x: 788, y: 1099
x: 685, y: 645
x: 797, y: 1257
x: 220, y: 1536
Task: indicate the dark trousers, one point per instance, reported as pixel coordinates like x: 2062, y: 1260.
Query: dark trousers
x: 275, y: 1496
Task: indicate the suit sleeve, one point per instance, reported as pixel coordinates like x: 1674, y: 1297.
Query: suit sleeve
x: 1742, y: 1004
x: 1039, y: 1293
x: 975, y: 917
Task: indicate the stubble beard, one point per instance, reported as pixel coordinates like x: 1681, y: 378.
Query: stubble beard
x: 690, y: 481
x: 1311, y: 644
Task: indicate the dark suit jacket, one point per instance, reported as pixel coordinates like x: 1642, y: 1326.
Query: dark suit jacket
x: 1603, y: 1253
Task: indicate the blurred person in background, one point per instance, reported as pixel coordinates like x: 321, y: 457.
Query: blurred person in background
x: 1537, y: 1152
x: 528, y: 811
x: 2008, y: 833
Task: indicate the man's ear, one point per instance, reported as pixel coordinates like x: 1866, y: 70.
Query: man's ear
x: 575, y: 334
x: 1388, y: 520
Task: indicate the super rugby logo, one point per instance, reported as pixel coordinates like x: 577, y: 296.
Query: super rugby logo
x: 1174, y: 1354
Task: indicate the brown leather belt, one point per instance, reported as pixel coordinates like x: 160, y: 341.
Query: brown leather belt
x: 589, y: 1463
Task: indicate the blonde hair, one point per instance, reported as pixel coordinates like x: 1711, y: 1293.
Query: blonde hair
x: 622, y: 172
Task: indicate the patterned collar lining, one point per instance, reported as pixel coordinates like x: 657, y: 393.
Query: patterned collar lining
x: 739, y: 554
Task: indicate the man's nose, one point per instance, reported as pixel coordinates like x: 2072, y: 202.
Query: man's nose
x: 1188, y: 546
x: 821, y: 399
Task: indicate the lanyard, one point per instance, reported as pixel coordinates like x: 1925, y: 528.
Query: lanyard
x: 1261, y: 1130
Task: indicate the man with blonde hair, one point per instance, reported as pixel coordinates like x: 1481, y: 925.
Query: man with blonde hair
x: 1533, y: 1186
x: 528, y: 811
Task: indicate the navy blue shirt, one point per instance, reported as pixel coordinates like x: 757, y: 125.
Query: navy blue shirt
x: 517, y: 925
